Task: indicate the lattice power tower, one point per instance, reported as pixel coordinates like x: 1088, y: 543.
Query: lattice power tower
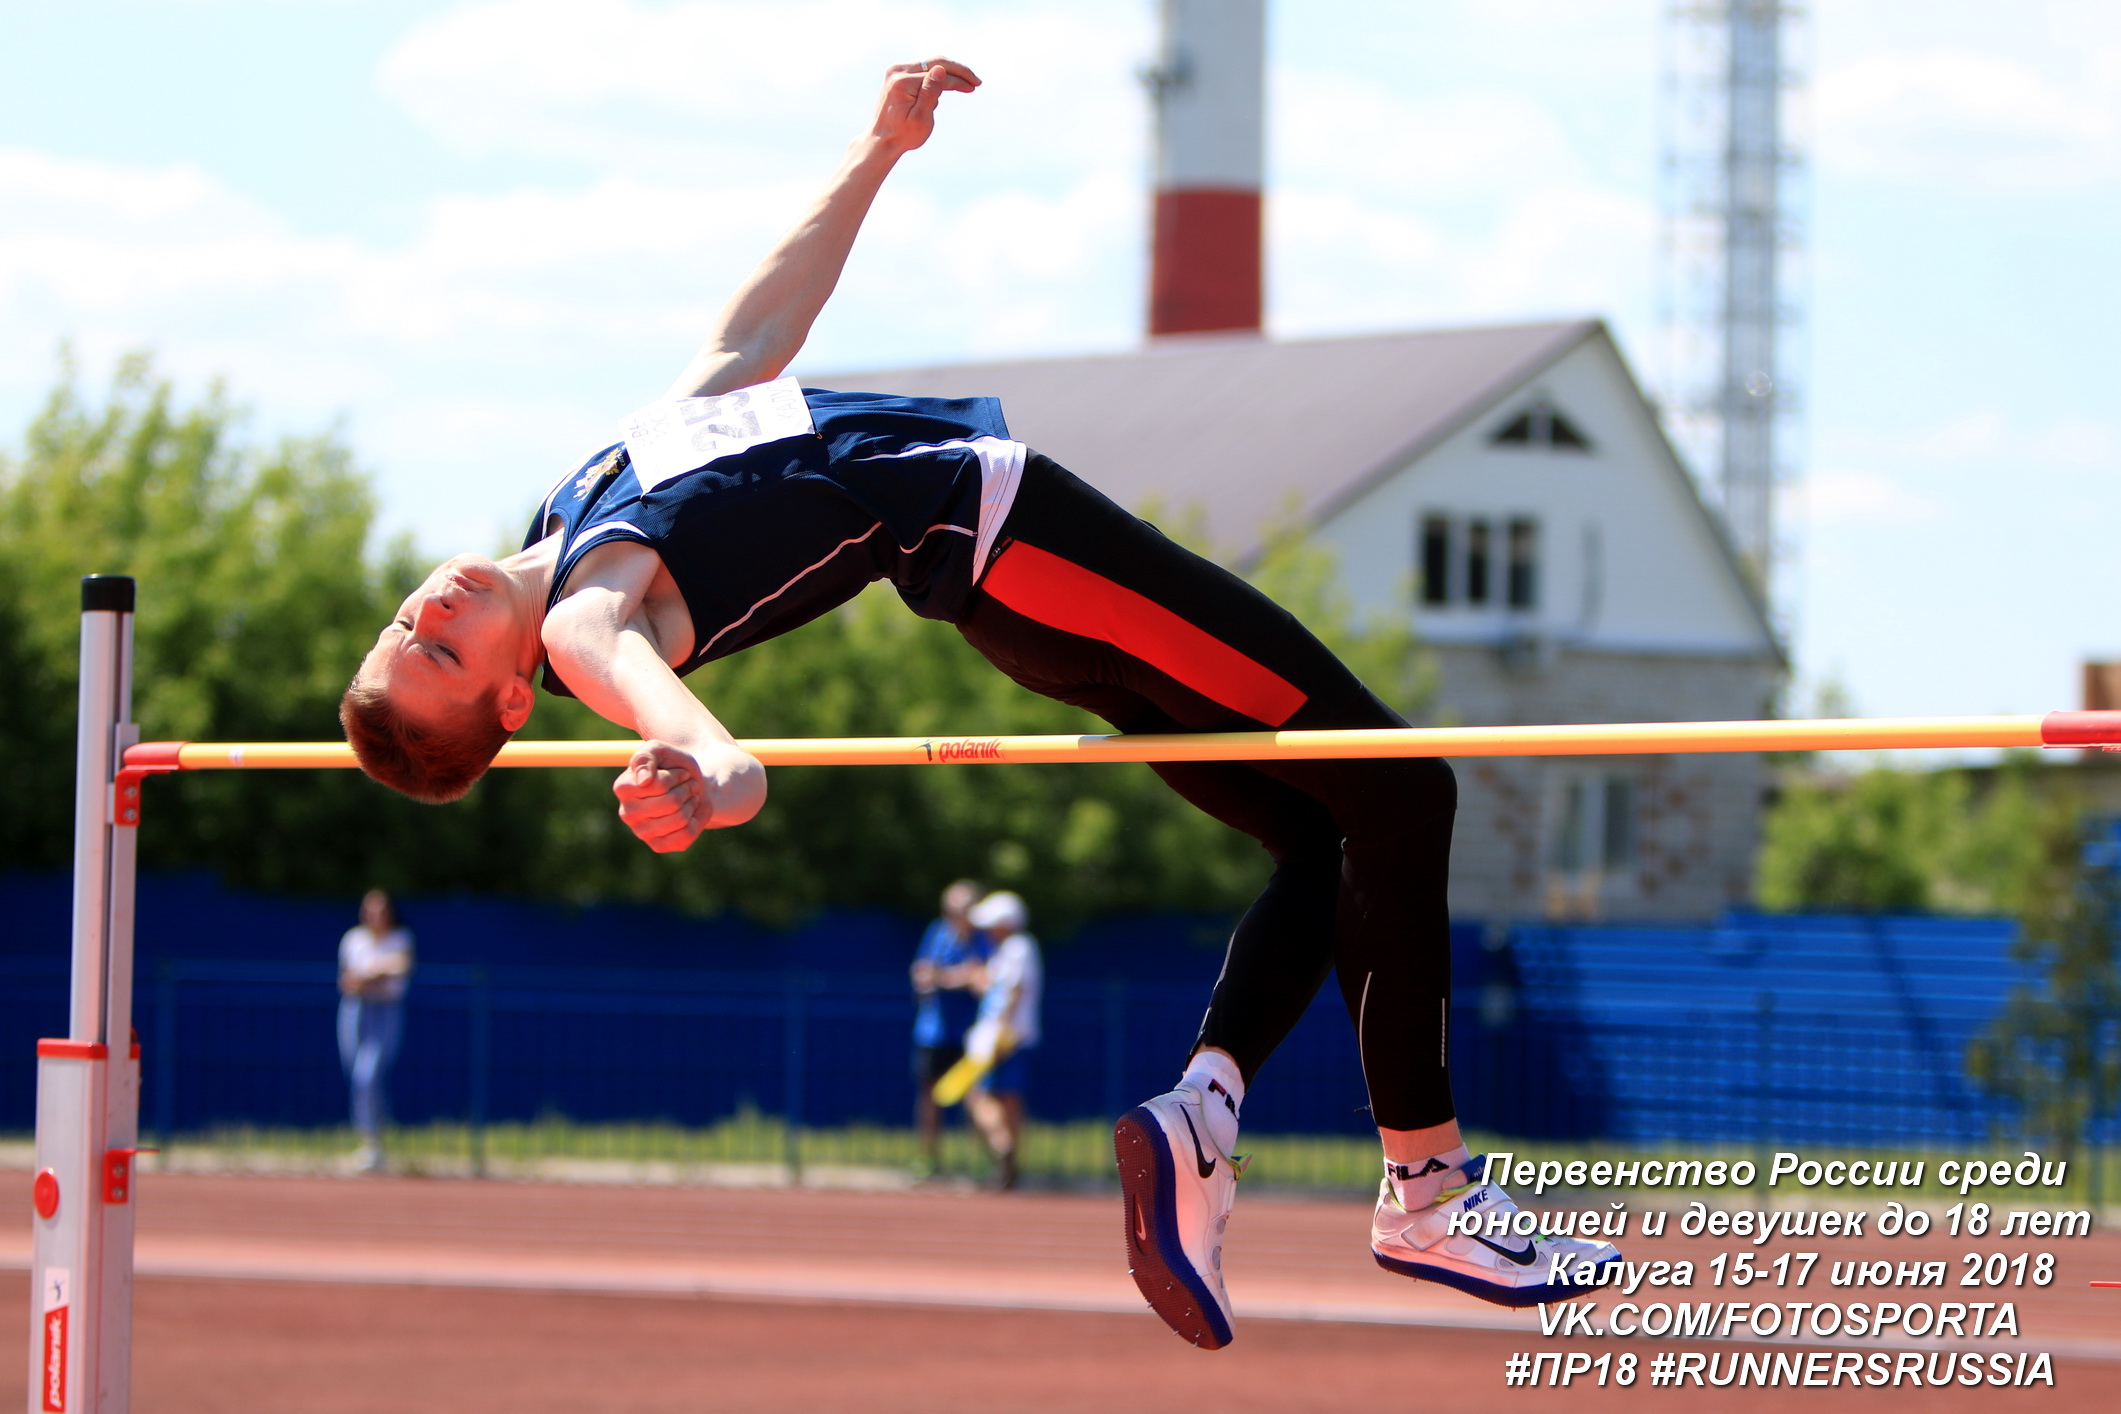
x: 1731, y: 234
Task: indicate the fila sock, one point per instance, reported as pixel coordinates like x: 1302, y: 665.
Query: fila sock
x: 1215, y: 1078
x: 1417, y: 1186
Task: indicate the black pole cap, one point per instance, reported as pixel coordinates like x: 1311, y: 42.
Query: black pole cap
x: 107, y: 593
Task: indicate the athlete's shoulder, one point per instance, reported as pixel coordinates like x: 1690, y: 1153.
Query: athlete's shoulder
x: 576, y: 490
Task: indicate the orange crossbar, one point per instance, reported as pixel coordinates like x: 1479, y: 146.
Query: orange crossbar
x: 2078, y: 729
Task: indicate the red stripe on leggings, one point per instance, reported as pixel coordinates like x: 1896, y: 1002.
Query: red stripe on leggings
x: 1062, y: 594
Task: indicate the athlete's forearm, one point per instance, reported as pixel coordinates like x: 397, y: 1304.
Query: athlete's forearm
x: 734, y: 779
x: 615, y: 669
x: 662, y: 708
x: 763, y: 326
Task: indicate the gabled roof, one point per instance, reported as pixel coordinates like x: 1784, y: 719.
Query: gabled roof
x: 1247, y: 429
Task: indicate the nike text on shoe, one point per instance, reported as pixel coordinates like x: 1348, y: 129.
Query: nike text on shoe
x: 1177, y: 1187
x: 1503, y: 1266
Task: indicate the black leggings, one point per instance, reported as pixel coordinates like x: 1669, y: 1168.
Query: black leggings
x: 1087, y: 604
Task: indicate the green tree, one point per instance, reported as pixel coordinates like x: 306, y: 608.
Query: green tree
x: 2052, y: 1049
x: 1890, y: 840
x: 257, y: 597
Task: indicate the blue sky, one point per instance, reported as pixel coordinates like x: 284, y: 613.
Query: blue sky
x: 472, y: 235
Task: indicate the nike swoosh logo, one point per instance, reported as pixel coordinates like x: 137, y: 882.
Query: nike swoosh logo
x: 1141, y: 1229
x: 1523, y: 1259
x: 1200, y: 1156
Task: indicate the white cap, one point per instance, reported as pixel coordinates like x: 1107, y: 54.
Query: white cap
x: 1003, y: 911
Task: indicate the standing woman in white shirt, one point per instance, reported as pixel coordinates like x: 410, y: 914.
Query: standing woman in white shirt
x: 375, y: 964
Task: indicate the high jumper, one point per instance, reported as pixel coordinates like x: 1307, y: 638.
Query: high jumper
x: 741, y: 506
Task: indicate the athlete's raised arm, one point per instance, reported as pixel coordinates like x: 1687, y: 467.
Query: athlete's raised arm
x: 766, y: 321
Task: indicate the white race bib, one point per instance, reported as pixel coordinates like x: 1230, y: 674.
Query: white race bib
x: 670, y: 437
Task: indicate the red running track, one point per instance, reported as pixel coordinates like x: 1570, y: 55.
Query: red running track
x: 318, y: 1295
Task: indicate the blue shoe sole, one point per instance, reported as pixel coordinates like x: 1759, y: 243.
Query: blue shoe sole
x: 1155, y: 1258
x: 1486, y: 1290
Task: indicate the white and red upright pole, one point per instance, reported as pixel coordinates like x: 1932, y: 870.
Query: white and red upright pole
x: 88, y: 1084
x: 1210, y: 88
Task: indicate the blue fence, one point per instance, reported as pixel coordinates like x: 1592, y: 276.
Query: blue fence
x: 1791, y: 1030
x: 252, y: 1042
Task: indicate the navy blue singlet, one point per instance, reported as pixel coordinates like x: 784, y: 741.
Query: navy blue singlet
x: 912, y: 490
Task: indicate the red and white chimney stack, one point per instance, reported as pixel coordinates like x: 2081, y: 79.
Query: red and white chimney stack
x: 1210, y: 89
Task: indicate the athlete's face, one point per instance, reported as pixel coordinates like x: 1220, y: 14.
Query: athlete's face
x: 462, y: 638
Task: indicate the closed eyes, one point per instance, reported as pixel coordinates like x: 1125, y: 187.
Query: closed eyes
x: 436, y: 647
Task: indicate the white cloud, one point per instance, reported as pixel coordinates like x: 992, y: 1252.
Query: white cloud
x: 592, y: 77
x: 562, y: 307
x: 1350, y: 134
x: 1986, y: 438
x: 1472, y: 203
x: 735, y: 89
x: 1569, y: 247
x: 103, y: 237
x: 1344, y: 261
x: 1961, y: 567
x: 1835, y: 496
x: 1972, y: 121
x: 1010, y: 272
x: 1466, y: 204
x: 1985, y: 442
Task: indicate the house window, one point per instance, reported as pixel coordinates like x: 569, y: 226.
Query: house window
x: 1435, y: 560
x: 1541, y: 425
x: 1617, y: 828
x: 1477, y: 560
x: 1572, y: 827
x: 1594, y: 826
x: 1523, y: 583
x: 1498, y: 564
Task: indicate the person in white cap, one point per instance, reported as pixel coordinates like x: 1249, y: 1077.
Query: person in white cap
x: 1006, y: 1030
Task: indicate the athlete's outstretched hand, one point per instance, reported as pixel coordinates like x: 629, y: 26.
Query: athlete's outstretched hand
x: 663, y: 797
x: 905, y: 114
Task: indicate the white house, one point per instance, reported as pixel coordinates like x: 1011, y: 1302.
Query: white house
x: 1509, y: 489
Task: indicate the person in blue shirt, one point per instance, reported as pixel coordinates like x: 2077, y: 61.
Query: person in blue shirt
x: 944, y: 1005
x: 743, y: 505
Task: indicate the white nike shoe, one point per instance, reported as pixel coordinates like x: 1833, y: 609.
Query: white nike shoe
x: 1178, y: 1188
x: 1505, y: 1267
